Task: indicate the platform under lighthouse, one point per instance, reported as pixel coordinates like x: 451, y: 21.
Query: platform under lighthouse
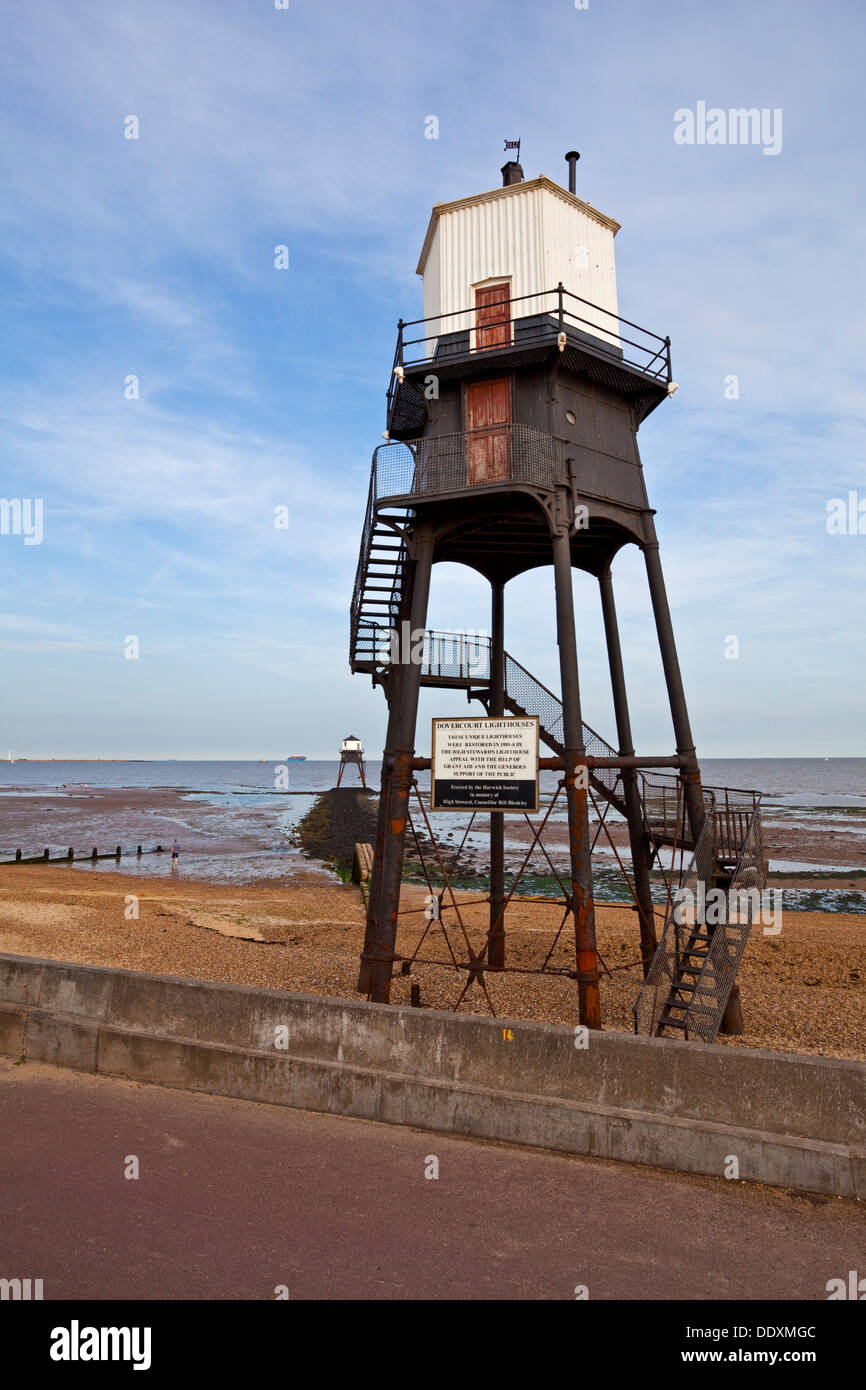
x: 513, y: 413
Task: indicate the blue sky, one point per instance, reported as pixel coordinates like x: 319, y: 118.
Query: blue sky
x: 260, y: 387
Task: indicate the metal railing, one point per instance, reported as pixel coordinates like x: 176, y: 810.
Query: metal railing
x: 525, y: 321
x: 665, y: 812
x: 459, y: 656
x: 470, y: 459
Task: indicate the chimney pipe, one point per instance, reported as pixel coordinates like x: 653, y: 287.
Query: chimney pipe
x: 571, y: 160
x: 512, y: 172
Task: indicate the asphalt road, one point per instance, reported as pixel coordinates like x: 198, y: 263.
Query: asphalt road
x: 235, y: 1199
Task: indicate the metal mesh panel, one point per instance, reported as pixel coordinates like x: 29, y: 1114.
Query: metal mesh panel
x: 456, y: 655
x: 460, y: 462
x: 526, y: 695
x: 664, y: 807
x: 394, y: 470
x: 607, y: 780
x: 370, y: 642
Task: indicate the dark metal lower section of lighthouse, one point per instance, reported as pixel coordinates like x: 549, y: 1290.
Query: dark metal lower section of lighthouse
x: 433, y: 536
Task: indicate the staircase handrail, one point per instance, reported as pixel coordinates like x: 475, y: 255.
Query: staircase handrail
x: 723, y: 954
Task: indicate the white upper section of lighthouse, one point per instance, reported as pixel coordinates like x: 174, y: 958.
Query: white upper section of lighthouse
x: 530, y: 235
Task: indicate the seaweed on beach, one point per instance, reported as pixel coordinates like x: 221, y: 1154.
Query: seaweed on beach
x: 338, y: 820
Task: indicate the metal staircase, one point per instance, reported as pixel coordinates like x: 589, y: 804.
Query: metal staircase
x: 379, y: 593
x: 692, y: 973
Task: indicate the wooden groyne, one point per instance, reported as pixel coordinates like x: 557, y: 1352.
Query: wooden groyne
x: 71, y: 857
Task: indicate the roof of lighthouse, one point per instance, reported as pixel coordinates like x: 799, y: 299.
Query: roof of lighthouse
x: 513, y: 190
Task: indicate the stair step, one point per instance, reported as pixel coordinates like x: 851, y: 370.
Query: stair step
x: 665, y: 1022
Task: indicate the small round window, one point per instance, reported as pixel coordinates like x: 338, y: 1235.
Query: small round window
x: 571, y: 417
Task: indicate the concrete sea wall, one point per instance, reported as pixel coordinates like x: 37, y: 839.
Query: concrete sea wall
x: 792, y: 1121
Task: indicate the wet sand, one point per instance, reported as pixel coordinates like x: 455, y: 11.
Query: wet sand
x: 107, y: 816
x: 803, y: 990
x: 246, y: 841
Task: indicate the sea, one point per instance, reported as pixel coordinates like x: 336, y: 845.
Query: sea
x: 236, y: 820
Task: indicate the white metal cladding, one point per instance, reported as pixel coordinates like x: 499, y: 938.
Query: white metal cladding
x: 432, y: 291
x: 578, y: 250
x: 531, y: 236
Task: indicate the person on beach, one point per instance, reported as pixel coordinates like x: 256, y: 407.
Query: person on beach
x: 175, y: 854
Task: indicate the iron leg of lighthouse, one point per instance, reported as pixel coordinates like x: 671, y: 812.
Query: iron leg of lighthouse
x: 496, y: 948
x: 693, y: 794
x: 388, y: 868
x: 638, y: 840
x: 395, y: 703
x: 374, y: 895
x: 576, y: 796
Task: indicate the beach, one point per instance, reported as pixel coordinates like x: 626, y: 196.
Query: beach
x: 803, y: 990
x: 260, y: 896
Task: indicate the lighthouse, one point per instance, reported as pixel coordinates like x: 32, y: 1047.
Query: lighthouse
x: 352, y: 754
x: 513, y: 412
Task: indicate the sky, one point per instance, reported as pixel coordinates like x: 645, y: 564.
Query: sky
x: 258, y: 388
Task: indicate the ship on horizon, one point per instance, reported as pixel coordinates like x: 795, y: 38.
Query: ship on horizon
x: 296, y: 758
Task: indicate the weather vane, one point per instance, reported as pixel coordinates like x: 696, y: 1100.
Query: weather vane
x: 513, y: 145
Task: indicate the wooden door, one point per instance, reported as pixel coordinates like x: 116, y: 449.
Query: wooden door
x: 492, y: 315
x: 488, y: 431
